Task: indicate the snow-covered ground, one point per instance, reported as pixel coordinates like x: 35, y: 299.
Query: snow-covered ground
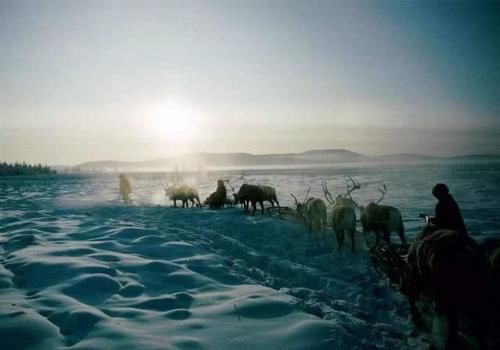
x: 80, y: 270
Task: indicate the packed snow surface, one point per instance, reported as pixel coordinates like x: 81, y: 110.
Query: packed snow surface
x: 80, y: 270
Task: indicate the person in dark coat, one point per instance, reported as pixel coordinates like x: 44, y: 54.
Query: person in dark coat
x: 448, y: 215
x: 217, y: 199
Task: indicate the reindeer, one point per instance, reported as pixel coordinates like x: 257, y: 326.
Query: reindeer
x: 251, y: 194
x: 231, y: 202
x: 447, y: 282
x: 312, y: 211
x: 382, y: 219
x: 343, y: 214
x: 270, y: 195
x: 182, y: 193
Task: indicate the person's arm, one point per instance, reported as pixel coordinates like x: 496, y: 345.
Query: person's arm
x: 429, y: 220
x: 437, y: 220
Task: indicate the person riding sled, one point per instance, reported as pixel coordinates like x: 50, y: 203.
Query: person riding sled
x: 448, y: 215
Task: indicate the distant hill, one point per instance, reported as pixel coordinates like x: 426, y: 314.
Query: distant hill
x: 196, y: 161
x: 477, y: 157
x: 408, y: 157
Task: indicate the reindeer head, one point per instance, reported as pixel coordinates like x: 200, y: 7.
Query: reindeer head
x: 301, y: 206
x: 169, y: 190
x: 342, y: 199
x: 383, y: 191
x: 370, y: 206
x: 355, y: 186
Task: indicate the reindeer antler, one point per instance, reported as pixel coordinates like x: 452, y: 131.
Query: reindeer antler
x: 229, y: 183
x: 328, y: 195
x: 296, y: 201
x: 383, y: 191
x: 355, y: 186
x: 242, y: 178
x: 307, y: 194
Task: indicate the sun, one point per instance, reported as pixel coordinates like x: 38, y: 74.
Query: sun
x: 172, y: 119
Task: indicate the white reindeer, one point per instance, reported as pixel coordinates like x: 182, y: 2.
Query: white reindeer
x: 182, y: 193
x: 313, y: 212
x: 343, y: 214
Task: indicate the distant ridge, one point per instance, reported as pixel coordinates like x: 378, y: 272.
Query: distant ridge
x: 332, y: 151
x: 477, y: 157
x: 414, y: 157
x: 205, y: 160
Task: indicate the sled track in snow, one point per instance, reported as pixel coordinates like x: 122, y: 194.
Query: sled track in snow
x: 336, y: 286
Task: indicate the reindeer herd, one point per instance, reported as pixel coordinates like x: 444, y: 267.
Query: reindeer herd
x: 381, y: 220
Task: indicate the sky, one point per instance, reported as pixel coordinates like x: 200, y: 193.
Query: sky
x: 139, y: 80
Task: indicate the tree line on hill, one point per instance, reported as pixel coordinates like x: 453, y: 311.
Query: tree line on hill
x: 7, y: 169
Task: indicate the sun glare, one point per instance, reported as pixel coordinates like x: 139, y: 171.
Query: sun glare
x: 172, y: 120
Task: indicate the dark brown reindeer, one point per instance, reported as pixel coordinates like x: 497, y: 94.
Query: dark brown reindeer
x: 251, y: 194
x: 382, y: 219
x: 270, y: 195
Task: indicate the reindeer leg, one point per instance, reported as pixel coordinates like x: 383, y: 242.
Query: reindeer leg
x: 254, y: 207
x: 366, y: 239
x: 387, y: 237
x: 262, y: 208
x: 352, y: 242
x: 175, y: 203
x: 401, y: 233
x: 340, y: 238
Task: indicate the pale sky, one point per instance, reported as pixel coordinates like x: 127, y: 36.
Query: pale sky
x: 138, y: 80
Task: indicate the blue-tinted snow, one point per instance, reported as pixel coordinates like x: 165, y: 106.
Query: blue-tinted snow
x: 80, y: 270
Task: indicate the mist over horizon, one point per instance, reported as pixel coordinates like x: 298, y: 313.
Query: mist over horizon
x: 123, y: 80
